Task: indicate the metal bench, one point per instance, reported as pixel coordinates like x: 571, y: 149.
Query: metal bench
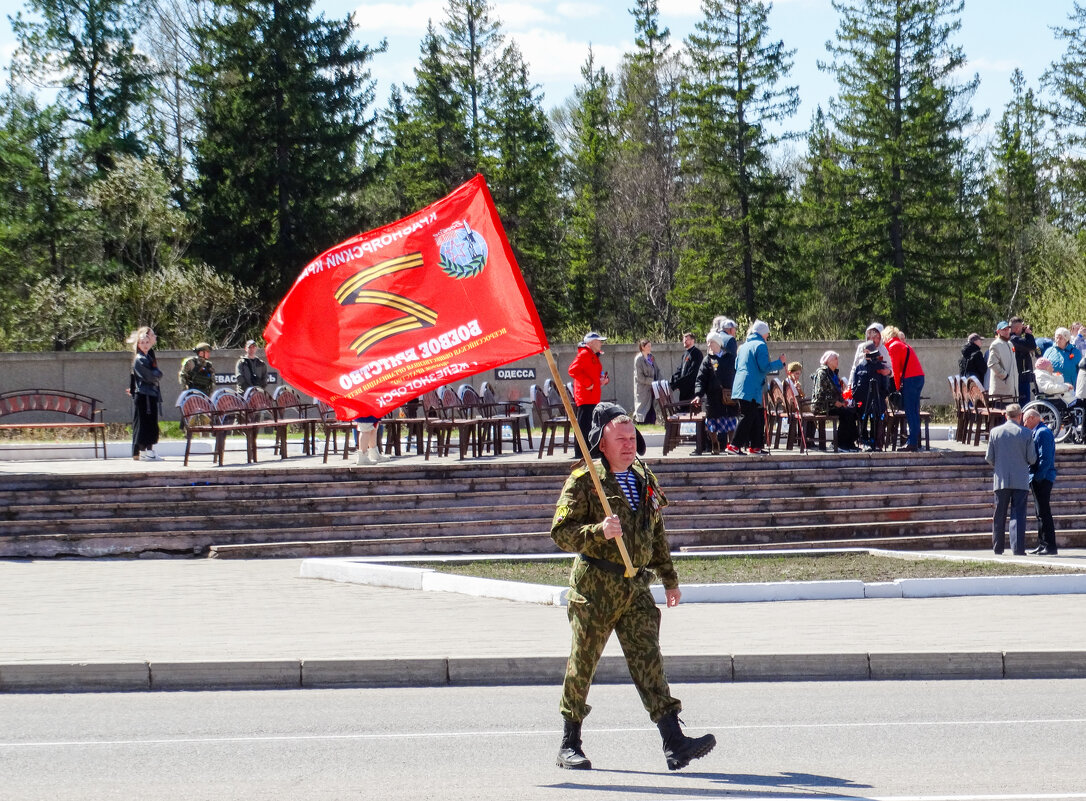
x: 47, y: 405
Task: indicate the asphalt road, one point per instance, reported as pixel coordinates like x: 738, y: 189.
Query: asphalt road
x: 922, y: 741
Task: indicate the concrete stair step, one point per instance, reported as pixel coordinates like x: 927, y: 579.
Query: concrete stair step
x: 847, y: 531
x: 478, y: 492
x: 848, y: 515
x: 419, y: 503
x: 680, y: 484
x: 243, y: 524
x: 1071, y: 538
x: 763, y: 515
x: 254, y: 476
x: 454, y: 506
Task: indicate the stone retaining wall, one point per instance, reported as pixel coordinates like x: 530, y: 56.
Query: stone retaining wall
x: 105, y: 375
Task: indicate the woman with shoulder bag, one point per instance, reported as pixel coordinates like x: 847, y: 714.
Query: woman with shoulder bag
x: 909, y: 380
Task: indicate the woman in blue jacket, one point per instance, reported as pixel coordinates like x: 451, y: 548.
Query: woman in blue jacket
x: 1064, y: 356
x: 752, y: 365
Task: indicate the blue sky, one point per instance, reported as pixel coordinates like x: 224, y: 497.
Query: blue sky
x: 997, y: 36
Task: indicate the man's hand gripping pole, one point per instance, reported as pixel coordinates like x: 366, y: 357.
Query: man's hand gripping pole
x: 630, y: 572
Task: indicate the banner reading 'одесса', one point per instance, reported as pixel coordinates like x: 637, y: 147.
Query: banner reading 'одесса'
x: 393, y: 313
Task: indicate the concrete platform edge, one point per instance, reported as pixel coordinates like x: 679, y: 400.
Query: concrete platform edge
x: 371, y: 572
x: 279, y: 674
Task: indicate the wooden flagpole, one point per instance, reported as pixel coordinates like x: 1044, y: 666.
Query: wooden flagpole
x: 561, y: 387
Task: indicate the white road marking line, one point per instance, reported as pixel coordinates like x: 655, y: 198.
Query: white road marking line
x: 1009, y: 797
x: 274, y: 738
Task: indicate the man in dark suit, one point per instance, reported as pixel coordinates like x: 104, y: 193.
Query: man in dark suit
x: 1025, y: 345
x: 684, y: 378
x: 1011, y: 451
x: 1042, y: 476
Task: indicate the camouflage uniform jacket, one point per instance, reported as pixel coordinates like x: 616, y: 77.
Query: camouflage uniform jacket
x: 197, y: 373
x: 578, y: 521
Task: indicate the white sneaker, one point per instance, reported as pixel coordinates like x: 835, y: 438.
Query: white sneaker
x: 150, y: 456
x: 364, y: 458
x: 376, y: 455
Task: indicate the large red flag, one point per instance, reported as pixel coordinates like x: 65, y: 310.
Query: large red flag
x: 392, y: 313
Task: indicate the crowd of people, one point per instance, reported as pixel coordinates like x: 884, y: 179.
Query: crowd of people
x: 727, y: 381
x: 1019, y: 367
x: 197, y: 372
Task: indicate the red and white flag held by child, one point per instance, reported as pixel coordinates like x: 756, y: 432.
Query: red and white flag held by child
x: 393, y: 313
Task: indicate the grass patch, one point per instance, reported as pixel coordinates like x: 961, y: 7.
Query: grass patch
x: 752, y: 569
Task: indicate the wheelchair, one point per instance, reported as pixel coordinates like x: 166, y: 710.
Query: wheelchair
x: 1065, y: 423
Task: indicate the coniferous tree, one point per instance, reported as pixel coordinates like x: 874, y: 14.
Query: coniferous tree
x: 900, y: 118
x: 816, y: 244
x: 732, y: 102
x: 591, y: 141
x: 1067, y: 110
x: 86, y: 50
x: 386, y: 198
x: 50, y: 243
x: 45, y: 229
x: 647, y: 187
x: 523, y: 174
x: 473, y: 43
x: 1017, y: 198
x: 431, y: 139
x: 283, y: 111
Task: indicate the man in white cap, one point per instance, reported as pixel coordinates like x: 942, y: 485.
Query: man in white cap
x: 1002, y: 366
x: 589, y: 378
x: 872, y: 334
x: 727, y: 327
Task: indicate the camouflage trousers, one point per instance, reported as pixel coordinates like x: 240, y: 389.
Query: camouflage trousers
x: 599, y: 603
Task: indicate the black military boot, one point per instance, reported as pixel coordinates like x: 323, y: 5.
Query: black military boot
x: 570, y: 754
x: 678, y: 748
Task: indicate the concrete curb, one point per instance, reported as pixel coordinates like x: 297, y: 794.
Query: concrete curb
x: 282, y: 674
x: 362, y: 570
x: 354, y: 571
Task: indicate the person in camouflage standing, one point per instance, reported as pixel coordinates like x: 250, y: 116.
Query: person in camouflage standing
x: 602, y: 599
x: 197, y: 372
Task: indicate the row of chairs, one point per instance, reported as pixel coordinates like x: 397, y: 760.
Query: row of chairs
x: 785, y: 419
x: 226, y: 412
x: 478, y: 419
x: 551, y: 415
x: 480, y: 422
x: 977, y: 411
x: 683, y: 424
x: 782, y: 404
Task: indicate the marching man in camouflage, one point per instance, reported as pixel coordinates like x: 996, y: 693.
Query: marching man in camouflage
x: 197, y: 372
x: 602, y: 599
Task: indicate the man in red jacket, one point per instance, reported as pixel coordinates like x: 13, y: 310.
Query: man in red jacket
x: 589, y: 378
